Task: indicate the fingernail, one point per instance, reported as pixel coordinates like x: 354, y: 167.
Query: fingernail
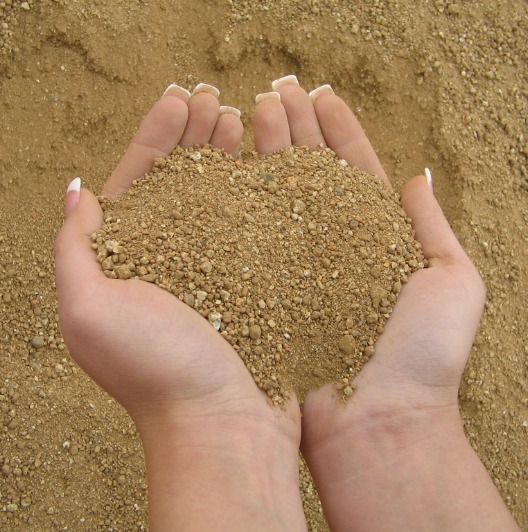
x: 72, y: 194
x: 429, y: 178
x: 286, y: 80
x: 267, y: 96
x: 230, y: 110
x: 323, y: 89
x: 204, y: 87
x: 176, y: 89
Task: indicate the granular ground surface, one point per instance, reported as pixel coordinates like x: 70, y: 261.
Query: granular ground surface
x: 441, y: 84
x: 295, y: 258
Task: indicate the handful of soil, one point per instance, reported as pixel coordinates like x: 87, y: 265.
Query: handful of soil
x: 295, y: 258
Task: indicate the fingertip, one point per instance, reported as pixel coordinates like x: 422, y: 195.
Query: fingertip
x: 320, y: 91
x: 228, y: 133
x: 417, y: 197
x: 265, y: 96
x: 158, y: 134
x: 270, y: 125
x: 176, y: 90
x: 72, y: 195
x: 302, y: 120
x: 429, y: 178
x: 343, y: 132
x: 417, y: 185
x: 432, y: 229
x: 227, y: 109
x: 89, y: 212
x: 204, y: 110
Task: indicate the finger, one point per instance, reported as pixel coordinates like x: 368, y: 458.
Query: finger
x: 75, y: 264
x: 302, y: 120
x: 343, y: 132
x: 438, y: 309
x: 270, y: 124
x: 438, y: 241
x: 204, y: 109
x: 157, y: 136
x: 228, y: 131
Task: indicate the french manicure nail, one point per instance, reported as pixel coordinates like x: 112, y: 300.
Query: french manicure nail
x: 267, y: 96
x: 429, y: 178
x: 176, y: 89
x: 230, y: 110
x: 204, y: 87
x: 323, y: 89
x: 72, y: 194
x: 286, y: 80
x: 74, y: 186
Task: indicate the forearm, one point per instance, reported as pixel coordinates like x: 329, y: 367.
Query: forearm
x: 424, y: 476
x: 210, y: 480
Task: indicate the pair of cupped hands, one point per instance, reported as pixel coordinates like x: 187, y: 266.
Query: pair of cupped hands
x: 185, y: 386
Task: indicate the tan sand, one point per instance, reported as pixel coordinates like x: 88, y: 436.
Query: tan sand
x: 296, y: 258
x: 441, y: 84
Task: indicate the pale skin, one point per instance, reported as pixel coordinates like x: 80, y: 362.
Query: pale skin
x: 218, y: 456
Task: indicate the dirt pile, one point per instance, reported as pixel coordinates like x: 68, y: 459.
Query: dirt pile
x: 295, y: 258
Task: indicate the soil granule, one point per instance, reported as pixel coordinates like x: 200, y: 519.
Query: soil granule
x: 295, y: 258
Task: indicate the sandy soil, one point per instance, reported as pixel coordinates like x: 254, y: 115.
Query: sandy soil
x: 265, y: 247
x: 442, y: 85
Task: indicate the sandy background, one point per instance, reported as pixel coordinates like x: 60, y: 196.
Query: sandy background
x: 435, y: 83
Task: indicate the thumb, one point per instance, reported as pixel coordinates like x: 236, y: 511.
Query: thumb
x: 433, y: 231
x: 75, y: 264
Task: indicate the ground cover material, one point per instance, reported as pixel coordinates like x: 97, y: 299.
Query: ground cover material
x: 441, y: 84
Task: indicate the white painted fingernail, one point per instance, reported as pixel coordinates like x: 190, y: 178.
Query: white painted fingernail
x: 286, y: 80
x: 73, y: 193
x: 230, y: 110
x: 177, y: 90
x: 429, y: 178
x: 323, y: 89
x: 74, y: 186
x: 267, y: 96
x: 204, y: 87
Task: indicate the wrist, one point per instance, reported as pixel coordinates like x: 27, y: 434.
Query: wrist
x: 400, y: 468
x: 221, y: 472
x: 378, y: 417
x: 403, y: 429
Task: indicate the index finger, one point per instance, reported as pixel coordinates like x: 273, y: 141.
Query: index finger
x: 343, y: 132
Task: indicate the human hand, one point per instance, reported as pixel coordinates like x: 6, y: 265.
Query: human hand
x: 420, y: 356
x: 189, y: 393
x: 327, y: 426
x: 395, y: 456
x: 145, y: 347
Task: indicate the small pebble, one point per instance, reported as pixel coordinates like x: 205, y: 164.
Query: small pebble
x: 37, y: 342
